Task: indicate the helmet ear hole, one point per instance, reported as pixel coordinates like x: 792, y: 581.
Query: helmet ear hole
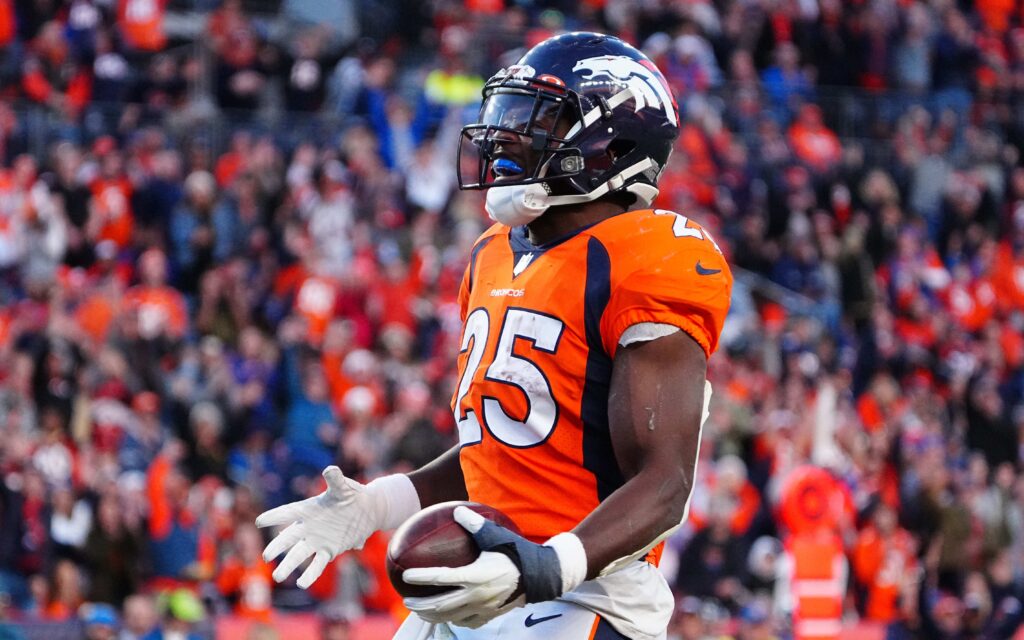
x: 619, y: 147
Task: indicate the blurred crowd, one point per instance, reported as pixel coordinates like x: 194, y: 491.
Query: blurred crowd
x: 230, y: 254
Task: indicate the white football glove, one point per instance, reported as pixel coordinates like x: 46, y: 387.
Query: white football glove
x: 508, y: 563
x: 339, y: 519
x: 484, y: 586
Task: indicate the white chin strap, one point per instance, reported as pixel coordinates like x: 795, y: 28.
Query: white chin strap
x: 516, y: 205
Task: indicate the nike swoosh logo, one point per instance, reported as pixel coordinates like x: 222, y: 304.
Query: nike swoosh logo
x: 530, y: 620
x: 705, y: 271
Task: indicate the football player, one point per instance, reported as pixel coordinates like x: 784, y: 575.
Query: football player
x: 588, y: 321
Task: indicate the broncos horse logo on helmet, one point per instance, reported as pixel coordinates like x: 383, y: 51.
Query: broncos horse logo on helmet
x: 595, y: 116
x: 645, y: 83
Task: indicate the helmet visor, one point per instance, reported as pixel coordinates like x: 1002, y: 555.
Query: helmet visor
x: 518, y: 134
x: 520, y: 112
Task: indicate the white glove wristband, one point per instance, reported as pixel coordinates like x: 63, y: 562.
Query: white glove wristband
x: 572, y: 559
x: 397, y: 498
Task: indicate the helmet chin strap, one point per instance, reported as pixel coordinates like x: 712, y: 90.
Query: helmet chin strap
x: 645, y: 194
x: 516, y: 205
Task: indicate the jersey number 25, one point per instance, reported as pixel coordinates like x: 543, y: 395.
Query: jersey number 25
x: 508, y: 368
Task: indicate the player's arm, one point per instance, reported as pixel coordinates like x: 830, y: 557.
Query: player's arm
x: 440, y: 480
x: 655, y: 407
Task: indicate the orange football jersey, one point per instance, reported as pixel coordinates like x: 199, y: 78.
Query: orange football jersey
x: 541, y: 327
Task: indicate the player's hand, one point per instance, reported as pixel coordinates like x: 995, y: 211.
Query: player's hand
x: 510, y: 572
x: 339, y: 519
x: 486, y: 589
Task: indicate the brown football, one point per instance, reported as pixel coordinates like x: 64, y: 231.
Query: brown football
x: 432, y: 538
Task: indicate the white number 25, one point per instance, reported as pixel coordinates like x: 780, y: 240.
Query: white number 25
x: 543, y: 332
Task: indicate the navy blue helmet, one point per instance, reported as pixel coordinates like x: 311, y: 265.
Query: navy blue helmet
x: 594, y: 115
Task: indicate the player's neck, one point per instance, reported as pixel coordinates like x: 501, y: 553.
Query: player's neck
x: 559, y: 222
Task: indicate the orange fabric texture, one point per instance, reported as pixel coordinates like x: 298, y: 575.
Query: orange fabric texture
x: 380, y: 596
x: 161, y: 517
x: 880, y: 563
x: 36, y: 86
x: 253, y: 584
x: 160, y: 309
x: 94, y: 316
x: 111, y: 200
x: 817, y: 146
x: 528, y: 453
x: 7, y: 22
x: 995, y: 13
x: 315, y: 300
x: 1008, y: 275
x: 972, y: 304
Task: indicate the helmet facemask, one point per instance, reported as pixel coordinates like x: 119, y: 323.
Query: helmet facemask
x: 520, y: 138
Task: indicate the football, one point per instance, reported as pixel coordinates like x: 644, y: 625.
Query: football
x: 432, y: 538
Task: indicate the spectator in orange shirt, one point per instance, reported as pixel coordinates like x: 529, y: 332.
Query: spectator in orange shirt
x: 881, y: 403
x: 141, y: 23
x: 110, y: 208
x: 245, y: 577
x: 378, y: 594
x: 160, y: 308
x: 883, y: 555
x: 1008, y: 270
x: 971, y: 301
x: 236, y: 159
x: 813, y: 143
x: 51, y: 76
x: 180, y: 548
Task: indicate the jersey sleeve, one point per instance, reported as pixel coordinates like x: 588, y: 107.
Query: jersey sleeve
x: 684, y: 282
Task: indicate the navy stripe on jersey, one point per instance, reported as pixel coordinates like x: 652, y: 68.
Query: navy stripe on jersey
x: 606, y: 631
x: 598, y: 455
x: 472, y: 259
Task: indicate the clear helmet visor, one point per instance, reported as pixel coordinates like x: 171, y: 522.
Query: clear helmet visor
x: 520, y: 112
x: 517, y: 133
